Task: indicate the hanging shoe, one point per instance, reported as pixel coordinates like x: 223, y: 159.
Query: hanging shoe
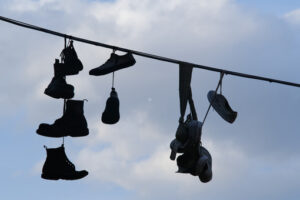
x: 71, y: 63
x: 203, y: 167
x: 177, y: 145
x: 58, y: 87
x: 221, y: 106
x: 187, y: 162
x: 197, y: 163
x: 111, y: 114
x: 188, y: 136
x: 72, y: 123
x: 114, y: 63
x: 57, y: 166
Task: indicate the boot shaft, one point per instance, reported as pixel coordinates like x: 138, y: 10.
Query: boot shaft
x: 57, y: 160
x: 74, y: 107
x: 58, y: 69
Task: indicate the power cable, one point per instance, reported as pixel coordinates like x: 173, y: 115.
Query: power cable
x: 143, y: 54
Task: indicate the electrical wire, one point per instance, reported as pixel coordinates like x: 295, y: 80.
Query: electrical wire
x: 143, y: 54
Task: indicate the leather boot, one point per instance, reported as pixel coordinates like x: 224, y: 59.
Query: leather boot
x: 58, y: 166
x: 58, y: 87
x: 72, y: 123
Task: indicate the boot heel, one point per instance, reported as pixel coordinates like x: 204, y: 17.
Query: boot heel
x: 50, y: 176
x: 80, y: 133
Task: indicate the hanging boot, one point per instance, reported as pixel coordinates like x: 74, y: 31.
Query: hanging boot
x: 111, y: 114
x: 114, y: 63
x: 72, y: 123
x: 57, y: 166
x: 58, y: 87
x: 221, y: 106
x: 71, y: 63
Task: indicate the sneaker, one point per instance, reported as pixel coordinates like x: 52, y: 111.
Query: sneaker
x: 114, y: 63
x: 221, y: 106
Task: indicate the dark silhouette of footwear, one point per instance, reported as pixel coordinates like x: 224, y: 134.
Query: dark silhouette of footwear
x: 111, y: 114
x: 197, y: 163
x: 71, y: 63
x: 58, y: 166
x: 114, y: 63
x: 203, y: 166
x: 221, y: 106
x: 188, y: 135
x: 58, y: 87
x: 72, y: 123
x: 187, y: 162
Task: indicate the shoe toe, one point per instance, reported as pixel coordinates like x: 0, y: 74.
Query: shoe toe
x: 93, y: 72
x: 43, y: 129
x: 80, y: 174
x: 50, y: 131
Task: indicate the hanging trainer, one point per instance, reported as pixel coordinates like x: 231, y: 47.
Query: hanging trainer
x: 114, y: 63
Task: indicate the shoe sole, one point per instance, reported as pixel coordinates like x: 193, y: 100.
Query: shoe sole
x: 110, y: 70
x: 81, y: 133
x: 58, y: 96
x: 55, y: 177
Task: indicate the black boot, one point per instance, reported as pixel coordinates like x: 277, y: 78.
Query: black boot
x: 72, y: 64
x: 111, y: 114
x: 57, y: 166
x: 58, y: 87
x: 72, y: 123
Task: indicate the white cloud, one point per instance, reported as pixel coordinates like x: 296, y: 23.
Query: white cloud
x: 293, y: 16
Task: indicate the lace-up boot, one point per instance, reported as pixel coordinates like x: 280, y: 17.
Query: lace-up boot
x: 58, y: 166
x: 72, y: 123
x: 58, y: 87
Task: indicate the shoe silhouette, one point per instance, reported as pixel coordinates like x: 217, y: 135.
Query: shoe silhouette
x: 114, y: 63
x: 111, y: 114
x: 188, y: 135
x: 195, y: 160
x: 197, y: 163
x: 204, y: 165
x: 71, y: 64
x: 58, y: 166
x: 58, y: 87
x: 221, y: 106
x: 72, y: 123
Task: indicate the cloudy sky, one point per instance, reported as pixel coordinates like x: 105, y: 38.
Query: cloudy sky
x: 257, y: 157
